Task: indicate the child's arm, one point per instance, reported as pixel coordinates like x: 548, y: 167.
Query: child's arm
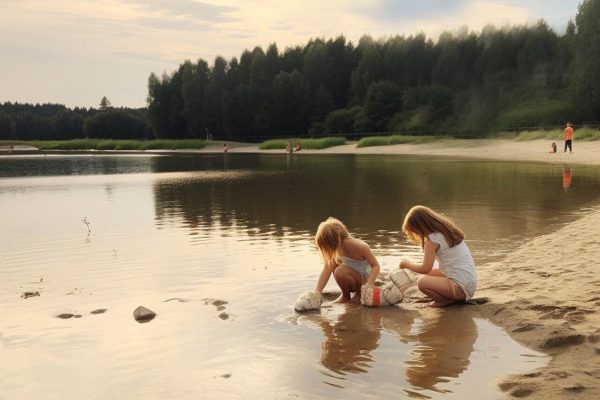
x: 323, y: 278
x: 428, y: 258
x: 374, y: 266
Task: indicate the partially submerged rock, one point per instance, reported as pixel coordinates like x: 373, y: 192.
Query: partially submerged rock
x: 27, y: 295
x: 68, y: 316
x: 143, y: 314
x: 98, y: 311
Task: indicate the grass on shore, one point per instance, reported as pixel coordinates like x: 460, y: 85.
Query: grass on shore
x: 396, y: 139
x: 553, y: 134
x: 111, y: 144
x: 311, y: 144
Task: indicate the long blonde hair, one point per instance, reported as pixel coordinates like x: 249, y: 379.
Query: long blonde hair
x: 421, y: 221
x: 329, y: 239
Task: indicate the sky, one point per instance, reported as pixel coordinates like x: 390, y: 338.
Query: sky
x: 75, y: 52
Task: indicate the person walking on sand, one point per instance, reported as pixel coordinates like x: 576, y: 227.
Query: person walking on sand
x: 225, y: 147
x: 349, y: 260
x: 568, y: 135
x: 440, y: 239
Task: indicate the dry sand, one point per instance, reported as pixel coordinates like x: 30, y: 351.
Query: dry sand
x: 547, y: 291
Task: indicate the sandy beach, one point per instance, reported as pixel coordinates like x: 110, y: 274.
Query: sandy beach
x: 548, y: 296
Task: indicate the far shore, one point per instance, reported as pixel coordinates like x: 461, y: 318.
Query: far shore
x: 548, y: 293
x: 584, y: 152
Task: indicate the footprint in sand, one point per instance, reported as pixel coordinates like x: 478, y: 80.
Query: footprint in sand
x: 220, y: 306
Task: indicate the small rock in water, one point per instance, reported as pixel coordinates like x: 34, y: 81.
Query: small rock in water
x: 224, y: 315
x: 27, y: 295
x: 76, y: 315
x: 65, y: 316
x: 219, y: 302
x: 98, y: 311
x: 226, y: 376
x: 142, y: 314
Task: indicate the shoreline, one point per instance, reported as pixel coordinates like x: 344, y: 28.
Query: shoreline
x: 585, y: 152
x: 547, y: 295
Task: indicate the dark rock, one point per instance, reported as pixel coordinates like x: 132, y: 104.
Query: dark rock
x: 224, y: 315
x: 64, y: 316
x: 98, y: 311
x: 143, y: 314
x: 27, y: 295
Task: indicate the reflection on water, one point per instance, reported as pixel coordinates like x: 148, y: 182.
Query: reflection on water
x: 350, y: 340
x: 566, y: 178
x: 445, y: 343
x: 239, y: 228
x: 425, y: 353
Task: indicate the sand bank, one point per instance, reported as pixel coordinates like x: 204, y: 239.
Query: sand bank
x: 584, y: 152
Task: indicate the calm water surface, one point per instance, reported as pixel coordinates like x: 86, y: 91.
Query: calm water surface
x: 173, y: 233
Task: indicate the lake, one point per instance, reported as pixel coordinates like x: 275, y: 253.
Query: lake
x: 175, y: 233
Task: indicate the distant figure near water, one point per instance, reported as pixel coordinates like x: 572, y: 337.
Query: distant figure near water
x: 568, y: 135
x: 553, y: 147
x: 298, y: 147
x: 225, y: 147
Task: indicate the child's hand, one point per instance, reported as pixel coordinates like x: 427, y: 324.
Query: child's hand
x: 404, y: 264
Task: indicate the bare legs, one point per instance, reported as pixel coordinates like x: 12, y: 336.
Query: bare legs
x: 440, y: 289
x: 350, y: 282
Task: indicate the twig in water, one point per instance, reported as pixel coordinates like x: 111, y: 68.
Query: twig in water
x: 87, y: 223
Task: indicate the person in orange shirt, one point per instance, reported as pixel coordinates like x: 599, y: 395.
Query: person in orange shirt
x: 568, y: 134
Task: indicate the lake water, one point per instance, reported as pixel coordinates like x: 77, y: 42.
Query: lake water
x: 174, y: 233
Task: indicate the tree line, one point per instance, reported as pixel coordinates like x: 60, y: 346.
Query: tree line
x: 464, y: 84
x: 24, y: 121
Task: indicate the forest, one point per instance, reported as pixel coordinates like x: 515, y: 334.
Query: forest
x: 464, y: 84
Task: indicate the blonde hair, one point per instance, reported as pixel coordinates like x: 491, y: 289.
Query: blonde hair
x: 421, y: 221
x: 330, y: 236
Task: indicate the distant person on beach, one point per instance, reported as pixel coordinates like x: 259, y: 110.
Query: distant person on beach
x: 553, y: 147
x: 298, y: 147
x: 440, y: 239
x: 225, y: 147
x: 288, y: 147
x: 348, y: 259
x: 568, y: 135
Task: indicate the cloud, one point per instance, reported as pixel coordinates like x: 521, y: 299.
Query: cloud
x: 393, y: 10
x: 172, y: 24
x: 185, y: 8
x: 146, y: 56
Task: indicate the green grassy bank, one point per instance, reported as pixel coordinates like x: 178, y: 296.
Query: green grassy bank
x: 110, y: 144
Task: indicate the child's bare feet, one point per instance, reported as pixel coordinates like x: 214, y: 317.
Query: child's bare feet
x: 355, y: 298
x: 342, y: 299
x: 424, y: 300
x: 441, y: 303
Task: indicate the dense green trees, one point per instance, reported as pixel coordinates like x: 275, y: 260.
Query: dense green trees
x: 464, y: 84
x: 7, y: 126
x: 57, y: 122
x: 586, y: 79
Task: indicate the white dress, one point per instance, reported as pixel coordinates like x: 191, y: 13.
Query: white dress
x: 456, y: 263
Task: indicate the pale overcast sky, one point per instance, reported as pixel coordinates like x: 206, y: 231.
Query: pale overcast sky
x: 74, y: 52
